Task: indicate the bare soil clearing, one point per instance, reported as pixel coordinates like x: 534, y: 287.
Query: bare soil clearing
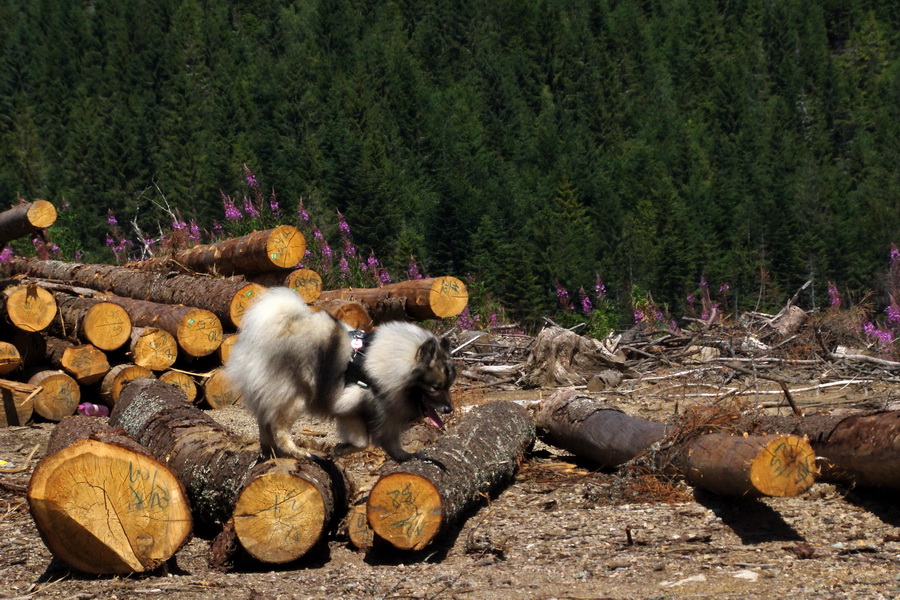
x: 561, y: 530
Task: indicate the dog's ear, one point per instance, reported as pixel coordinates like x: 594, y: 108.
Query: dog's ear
x: 445, y: 344
x: 428, y: 350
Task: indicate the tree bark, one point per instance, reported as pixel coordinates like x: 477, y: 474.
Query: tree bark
x: 218, y: 469
x: 305, y: 282
x: 59, y: 395
x: 85, y: 363
x: 422, y: 299
x: 99, y: 322
x: 413, y: 503
x: 153, y: 348
x: 226, y: 299
x: 197, y: 331
x: 724, y: 464
x: 859, y: 449
x: 10, y: 359
x: 24, y: 219
x: 278, y: 248
x: 114, y: 382
x: 27, y: 307
x: 103, y: 505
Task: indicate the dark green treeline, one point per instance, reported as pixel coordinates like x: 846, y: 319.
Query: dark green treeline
x: 518, y: 140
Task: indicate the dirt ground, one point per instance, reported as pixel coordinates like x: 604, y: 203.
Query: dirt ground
x: 560, y: 530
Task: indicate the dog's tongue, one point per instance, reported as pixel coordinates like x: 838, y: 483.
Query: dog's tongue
x: 433, y: 417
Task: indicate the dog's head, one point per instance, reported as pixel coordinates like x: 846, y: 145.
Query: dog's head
x: 434, y: 374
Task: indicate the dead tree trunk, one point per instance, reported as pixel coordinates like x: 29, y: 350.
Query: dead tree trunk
x: 27, y: 307
x: 25, y: 218
x: 419, y: 499
x: 421, y: 299
x: 226, y: 299
x: 101, y: 323
x: 861, y: 449
x: 733, y: 465
x: 197, y: 331
x: 305, y: 282
x: 103, y: 505
x: 85, y: 363
x: 279, y: 248
x: 59, y: 395
x: 219, y: 470
x: 153, y: 348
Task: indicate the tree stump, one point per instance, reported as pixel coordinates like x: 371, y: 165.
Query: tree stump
x: 24, y: 219
x: 16, y: 402
x: 27, y: 307
x: 118, y: 376
x: 103, y: 505
x: 10, y: 359
x: 414, y: 502
x: 101, y: 323
x: 153, y: 348
x: 218, y: 469
x: 182, y: 381
x: 219, y: 391
x: 85, y: 363
x: 197, y: 331
x: 560, y: 357
x: 424, y: 299
x: 59, y: 395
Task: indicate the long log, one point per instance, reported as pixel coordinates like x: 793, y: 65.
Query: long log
x: 278, y: 248
x: 218, y: 469
x: 780, y: 465
x: 103, y: 505
x: 85, y: 363
x: 226, y: 299
x: 858, y: 449
x: 28, y: 307
x: 99, y: 322
x: 25, y: 218
x: 421, y: 299
x: 416, y: 501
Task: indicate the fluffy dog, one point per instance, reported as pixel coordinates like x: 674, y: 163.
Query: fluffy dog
x: 289, y: 360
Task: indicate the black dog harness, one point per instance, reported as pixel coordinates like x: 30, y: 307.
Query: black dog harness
x: 355, y: 373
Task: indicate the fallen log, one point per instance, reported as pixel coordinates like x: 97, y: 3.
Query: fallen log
x: 153, y: 348
x: 16, y: 402
x: 305, y: 282
x: 732, y: 465
x: 419, y: 499
x: 85, y: 363
x: 10, y: 359
x: 278, y: 248
x: 197, y: 331
x: 420, y: 299
x: 26, y: 218
x: 226, y: 299
x: 27, y: 307
x: 859, y: 449
x: 102, y: 504
x: 99, y: 322
x: 218, y: 469
x: 59, y: 394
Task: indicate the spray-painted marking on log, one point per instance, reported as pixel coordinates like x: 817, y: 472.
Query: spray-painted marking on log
x: 243, y: 301
x: 283, y: 517
x: 208, y: 323
x: 116, y: 326
x: 33, y: 305
x: 81, y: 360
x: 66, y: 395
x: 449, y: 286
x: 406, y: 500
x: 157, y: 345
x: 147, y: 495
x: 785, y: 464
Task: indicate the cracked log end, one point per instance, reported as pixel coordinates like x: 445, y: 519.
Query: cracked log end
x: 406, y: 510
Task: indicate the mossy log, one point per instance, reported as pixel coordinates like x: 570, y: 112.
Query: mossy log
x: 226, y: 299
x: 106, y: 325
x: 734, y: 465
x: 284, y: 506
x: 26, y: 218
x: 422, y: 299
x: 103, y: 504
x: 27, y: 307
x: 419, y: 499
x: 84, y: 362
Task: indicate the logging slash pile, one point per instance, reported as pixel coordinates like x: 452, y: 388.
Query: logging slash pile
x: 144, y: 344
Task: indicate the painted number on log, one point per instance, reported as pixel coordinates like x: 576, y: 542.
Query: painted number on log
x: 785, y: 462
x: 404, y: 501
x: 146, y: 495
x: 283, y: 517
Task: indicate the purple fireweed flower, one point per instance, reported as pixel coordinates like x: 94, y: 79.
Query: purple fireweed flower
x: 344, y: 265
x: 301, y: 212
x: 250, y: 178
x: 384, y: 276
x: 599, y: 288
x: 317, y: 235
x: 109, y: 241
x: 372, y: 262
x: 724, y: 288
x: 586, y: 306
x: 6, y: 255
x: 834, y: 296
x: 465, y: 319
x: 78, y: 255
x: 194, y: 233
x: 413, y: 271
x: 638, y: 315
x: 232, y: 212
x: 703, y: 282
x: 111, y: 219
x: 273, y: 205
x: 327, y: 253
x: 893, y: 313
x: 250, y: 210
x: 562, y: 294
x: 689, y: 298
x: 343, y: 227
x: 895, y: 256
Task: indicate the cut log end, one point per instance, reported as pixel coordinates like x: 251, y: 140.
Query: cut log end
x: 305, y: 282
x: 219, y: 391
x: 114, y: 381
x: 153, y: 348
x: 199, y: 333
x: 16, y: 407
x: 406, y: 510
x: 107, y: 326
x: 59, y: 395
x: 285, y: 246
x: 183, y: 381
x: 30, y: 308
x: 85, y: 363
x: 242, y: 300
x: 359, y: 532
x: 448, y: 297
x: 785, y: 467
x: 41, y: 214
x: 278, y: 517
x: 10, y: 359
x: 107, y: 510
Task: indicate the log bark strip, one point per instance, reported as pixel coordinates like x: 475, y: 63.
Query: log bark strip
x: 215, y: 466
x: 226, y: 299
x: 28, y: 307
x: 416, y: 501
x: 277, y: 248
x: 103, y: 505
x: 434, y: 298
x: 101, y: 323
x: 26, y: 218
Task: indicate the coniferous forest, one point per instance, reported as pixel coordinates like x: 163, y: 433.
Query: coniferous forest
x: 536, y: 145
